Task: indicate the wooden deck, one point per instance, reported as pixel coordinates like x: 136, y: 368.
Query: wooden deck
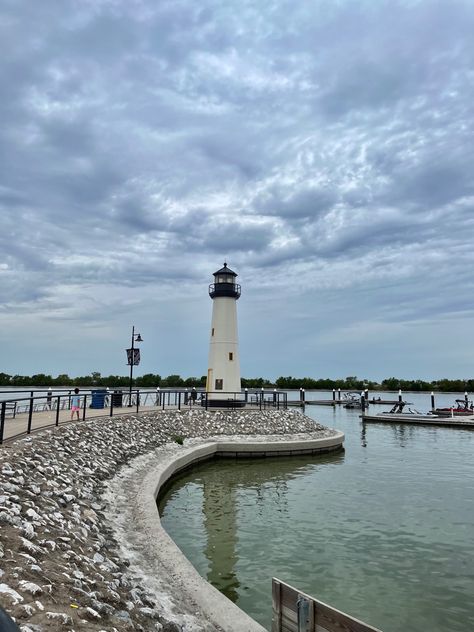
x: 294, y: 611
x: 340, y: 402
x: 423, y: 420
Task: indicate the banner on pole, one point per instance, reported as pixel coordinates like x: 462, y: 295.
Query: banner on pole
x: 136, y: 356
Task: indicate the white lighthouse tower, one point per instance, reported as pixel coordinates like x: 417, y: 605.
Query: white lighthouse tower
x: 223, y: 374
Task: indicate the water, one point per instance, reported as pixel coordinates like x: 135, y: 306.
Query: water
x: 383, y: 532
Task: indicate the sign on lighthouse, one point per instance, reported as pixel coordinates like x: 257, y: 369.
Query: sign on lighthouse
x: 223, y: 374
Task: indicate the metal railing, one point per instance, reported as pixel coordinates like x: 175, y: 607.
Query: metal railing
x: 23, y: 412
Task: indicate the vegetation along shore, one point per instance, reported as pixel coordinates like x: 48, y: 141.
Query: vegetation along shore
x: 151, y: 380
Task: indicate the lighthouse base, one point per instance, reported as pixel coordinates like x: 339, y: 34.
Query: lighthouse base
x: 223, y: 403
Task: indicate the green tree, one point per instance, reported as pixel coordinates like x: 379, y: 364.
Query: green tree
x: 149, y: 380
x: 173, y: 380
x: 5, y: 379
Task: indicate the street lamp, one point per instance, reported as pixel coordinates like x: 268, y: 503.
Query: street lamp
x: 133, y: 357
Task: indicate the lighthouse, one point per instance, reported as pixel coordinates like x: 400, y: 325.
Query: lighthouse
x: 223, y: 373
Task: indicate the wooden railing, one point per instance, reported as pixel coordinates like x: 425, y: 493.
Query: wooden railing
x: 294, y: 611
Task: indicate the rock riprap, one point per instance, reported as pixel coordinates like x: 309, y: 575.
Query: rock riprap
x: 59, y: 563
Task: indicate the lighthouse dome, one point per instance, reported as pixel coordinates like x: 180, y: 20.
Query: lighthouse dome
x: 224, y: 284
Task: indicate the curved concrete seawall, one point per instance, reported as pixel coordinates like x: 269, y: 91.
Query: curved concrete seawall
x: 81, y: 545
x: 133, y: 511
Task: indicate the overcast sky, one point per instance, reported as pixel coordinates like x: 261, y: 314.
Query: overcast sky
x: 323, y: 148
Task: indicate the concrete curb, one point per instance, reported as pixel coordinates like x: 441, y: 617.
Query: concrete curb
x: 153, y: 553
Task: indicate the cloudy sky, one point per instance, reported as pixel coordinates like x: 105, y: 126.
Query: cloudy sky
x: 323, y: 148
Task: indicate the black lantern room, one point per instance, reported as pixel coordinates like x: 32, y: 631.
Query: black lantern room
x: 224, y: 284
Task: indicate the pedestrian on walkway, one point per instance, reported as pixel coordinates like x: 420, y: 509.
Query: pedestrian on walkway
x: 75, y: 404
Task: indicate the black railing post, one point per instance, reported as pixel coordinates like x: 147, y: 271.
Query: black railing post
x: 207, y: 400
x: 58, y: 406
x: 84, y: 407
x: 138, y: 399
x: 112, y: 404
x: 2, y: 421
x: 432, y: 401
x: 30, y: 414
x: 179, y: 400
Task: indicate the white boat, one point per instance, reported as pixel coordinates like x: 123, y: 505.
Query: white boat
x: 415, y: 417
x: 352, y: 400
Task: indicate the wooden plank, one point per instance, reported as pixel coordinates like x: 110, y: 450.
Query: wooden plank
x: 289, y: 622
x: 321, y: 616
x: 337, y: 621
x: 276, y: 609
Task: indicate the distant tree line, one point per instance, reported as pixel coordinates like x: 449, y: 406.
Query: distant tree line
x: 151, y: 380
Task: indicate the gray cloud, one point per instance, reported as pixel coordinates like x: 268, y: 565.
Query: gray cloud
x: 325, y: 149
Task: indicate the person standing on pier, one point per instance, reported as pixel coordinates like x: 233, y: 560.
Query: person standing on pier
x: 75, y: 404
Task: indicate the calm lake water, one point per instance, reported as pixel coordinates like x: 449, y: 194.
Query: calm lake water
x: 384, y: 531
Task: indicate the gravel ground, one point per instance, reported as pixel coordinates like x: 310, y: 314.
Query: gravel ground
x: 60, y: 567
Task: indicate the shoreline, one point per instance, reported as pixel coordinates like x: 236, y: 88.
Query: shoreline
x: 64, y: 563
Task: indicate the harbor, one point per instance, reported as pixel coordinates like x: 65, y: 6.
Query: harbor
x: 381, y: 532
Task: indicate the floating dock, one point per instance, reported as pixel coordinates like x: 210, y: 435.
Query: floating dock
x: 340, y: 402
x: 420, y: 420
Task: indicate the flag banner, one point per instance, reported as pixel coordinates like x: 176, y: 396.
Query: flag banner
x: 136, y: 356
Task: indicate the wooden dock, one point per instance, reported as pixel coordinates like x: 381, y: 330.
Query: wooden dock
x: 341, y: 402
x: 323, y: 402
x: 294, y: 611
x: 420, y: 420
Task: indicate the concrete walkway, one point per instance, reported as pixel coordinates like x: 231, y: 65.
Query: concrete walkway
x: 18, y: 425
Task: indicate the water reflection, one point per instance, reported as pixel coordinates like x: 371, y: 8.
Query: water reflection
x: 254, y: 484
x: 405, y: 434
x: 219, y: 509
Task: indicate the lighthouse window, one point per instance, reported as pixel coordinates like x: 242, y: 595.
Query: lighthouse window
x: 219, y: 385
x: 231, y: 356
x: 212, y: 331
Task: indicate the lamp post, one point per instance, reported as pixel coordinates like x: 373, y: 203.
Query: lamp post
x: 133, y: 356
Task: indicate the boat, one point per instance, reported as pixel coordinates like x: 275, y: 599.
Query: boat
x: 352, y: 400
x: 398, y: 414
x: 385, y: 402
x: 461, y: 408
